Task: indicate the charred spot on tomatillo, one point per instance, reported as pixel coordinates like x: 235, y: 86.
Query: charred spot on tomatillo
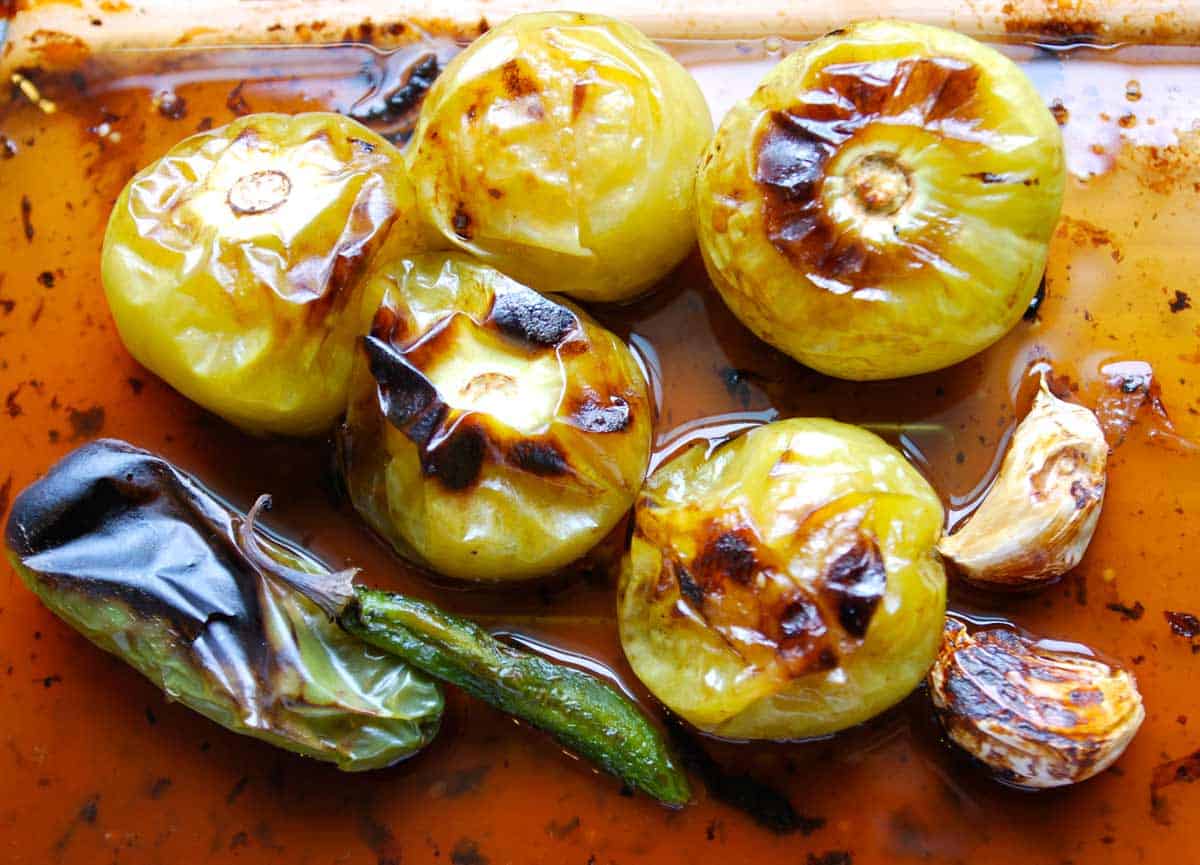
x: 882, y: 205
x: 786, y: 584
x: 493, y: 433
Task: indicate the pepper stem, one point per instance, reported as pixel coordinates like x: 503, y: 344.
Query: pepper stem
x: 332, y: 592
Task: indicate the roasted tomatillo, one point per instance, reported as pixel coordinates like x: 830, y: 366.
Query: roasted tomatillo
x: 492, y: 433
x: 561, y: 148
x: 784, y: 585
x: 232, y: 264
x: 882, y: 204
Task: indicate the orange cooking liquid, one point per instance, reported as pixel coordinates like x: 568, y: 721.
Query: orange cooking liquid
x: 95, y: 766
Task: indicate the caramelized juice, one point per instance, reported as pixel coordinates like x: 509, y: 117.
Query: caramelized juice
x: 95, y: 766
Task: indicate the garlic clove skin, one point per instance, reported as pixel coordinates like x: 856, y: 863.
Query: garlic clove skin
x: 1037, y: 520
x: 1038, y: 718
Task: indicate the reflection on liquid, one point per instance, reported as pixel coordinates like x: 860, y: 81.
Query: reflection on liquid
x: 82, y: 730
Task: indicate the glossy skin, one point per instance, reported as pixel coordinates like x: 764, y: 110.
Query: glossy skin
x: 881, y: 205
x: 92, y: 724
x: 492, y: 433
x: 785, y: 586
x: 562, y: 149
x: 585, y: 714
x: 232, y: 265
x: 146, y: 564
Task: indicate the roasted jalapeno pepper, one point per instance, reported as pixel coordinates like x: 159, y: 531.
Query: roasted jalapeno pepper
x: 492, y: 433
x: 232, y: 264
x: 882, y: 204
x: 147, y: 564
x: 562, y: 148
x: 786, y: 584
x: 582, y: 712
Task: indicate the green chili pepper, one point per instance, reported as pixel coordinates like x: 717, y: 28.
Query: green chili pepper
x: 583, y: 713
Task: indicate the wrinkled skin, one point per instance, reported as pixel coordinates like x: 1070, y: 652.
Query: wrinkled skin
x: 562, y: 149
x: 492, y: 433
x: 146, y: 564
x: 881, y: 206
x: 232, y: 265
x: 785, y: 585
x: 1036, y: 716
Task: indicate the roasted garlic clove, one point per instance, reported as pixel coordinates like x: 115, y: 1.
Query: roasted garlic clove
x: 882, y: 204
x: 1037, y: 520
x: 1036, y: 716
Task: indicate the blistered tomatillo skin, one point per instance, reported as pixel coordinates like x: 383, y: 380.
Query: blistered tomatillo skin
x: 232, y: 264
x: 881, y: 205
x: 784, y: 585
x: 562, y: 149
x: 492, y: 433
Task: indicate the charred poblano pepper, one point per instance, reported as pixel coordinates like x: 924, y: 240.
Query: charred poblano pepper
x: 580, y: 711
x: 147, y: 565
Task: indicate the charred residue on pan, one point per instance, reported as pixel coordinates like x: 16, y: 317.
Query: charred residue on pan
x: 763, y: 803
x: 1068, y: 24
x: 398, y: 83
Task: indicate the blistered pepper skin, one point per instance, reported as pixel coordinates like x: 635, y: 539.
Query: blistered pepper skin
x: 582, y: 712
x: 881, y: 206
x: 562, y: 149
x: 148, y: 565
x: 232, y: 265
x: 492, y: 433
x: 786, y: 585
